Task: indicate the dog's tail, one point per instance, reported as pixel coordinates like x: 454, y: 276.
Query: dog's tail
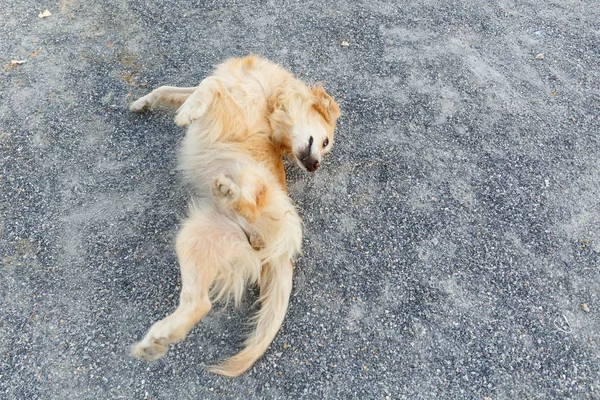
x: 275, y: 290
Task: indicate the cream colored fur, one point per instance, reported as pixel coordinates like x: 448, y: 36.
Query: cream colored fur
x: 242, y: 228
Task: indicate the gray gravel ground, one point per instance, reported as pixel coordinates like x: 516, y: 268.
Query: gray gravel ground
x: 451, y: 239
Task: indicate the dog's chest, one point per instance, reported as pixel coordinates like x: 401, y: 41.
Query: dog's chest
x: 251, y: 98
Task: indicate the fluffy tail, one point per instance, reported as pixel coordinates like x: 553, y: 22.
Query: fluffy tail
x: 275, y: 290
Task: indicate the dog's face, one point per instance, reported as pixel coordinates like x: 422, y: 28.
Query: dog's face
x: 310, y: 126
x: 312, y: 137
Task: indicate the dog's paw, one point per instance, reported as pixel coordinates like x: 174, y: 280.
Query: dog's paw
x: 196, y: 106
x: 141, y: 104
x: 224, y: 188
x: 149, y: 349
x: 191, y: 111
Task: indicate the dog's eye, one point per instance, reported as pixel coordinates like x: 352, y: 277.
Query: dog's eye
x: 326, y: 142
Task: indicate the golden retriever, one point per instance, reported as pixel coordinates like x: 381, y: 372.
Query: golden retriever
x: 242, y: 227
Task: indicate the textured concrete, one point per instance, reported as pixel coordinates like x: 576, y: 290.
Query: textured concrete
x: 450, y: 239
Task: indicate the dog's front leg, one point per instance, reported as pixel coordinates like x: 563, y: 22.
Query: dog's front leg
x: 217, y: 108
x: 163, y: 96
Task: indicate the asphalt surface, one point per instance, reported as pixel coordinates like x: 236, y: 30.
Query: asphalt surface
x: 452, y: 238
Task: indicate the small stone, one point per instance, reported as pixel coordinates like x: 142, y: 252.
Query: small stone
x: 45, y: 14
x: 345, y: 43
x: 539, y: 56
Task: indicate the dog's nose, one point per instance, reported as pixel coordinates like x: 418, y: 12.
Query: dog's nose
x: 311, y: 164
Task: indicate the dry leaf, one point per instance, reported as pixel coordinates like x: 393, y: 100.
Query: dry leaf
x: 12, y: 64
x: 585, y: 307
x: 45, y: 14
x: 345, y: 43
x: 540, y: 56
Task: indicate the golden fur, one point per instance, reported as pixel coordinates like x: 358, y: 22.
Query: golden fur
x: 242, y: 228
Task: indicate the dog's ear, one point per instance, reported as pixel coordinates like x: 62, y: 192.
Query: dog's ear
x: 325, y: 104
x: 279, y: 119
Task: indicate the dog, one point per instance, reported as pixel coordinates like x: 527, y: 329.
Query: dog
x: 242, y: 227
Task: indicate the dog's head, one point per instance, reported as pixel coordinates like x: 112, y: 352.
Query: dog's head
x: 305, y: 121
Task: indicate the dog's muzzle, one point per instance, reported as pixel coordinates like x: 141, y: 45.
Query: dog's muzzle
x: 306, y: 158
x: 310, y: 163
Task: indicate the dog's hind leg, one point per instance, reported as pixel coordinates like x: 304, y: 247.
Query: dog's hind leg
x: 269, y: 212
x: 170, y: 96
x: 279, y: 230
x: 245, y: 199
x: 199, y: 253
